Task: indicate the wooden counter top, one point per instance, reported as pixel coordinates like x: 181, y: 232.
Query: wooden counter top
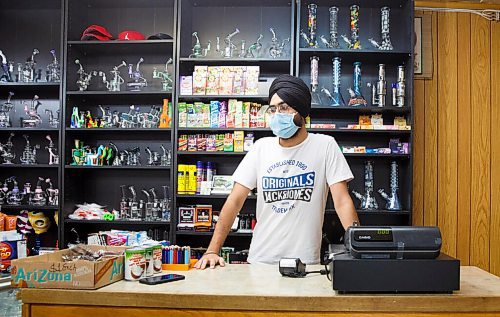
x: 262, y: 288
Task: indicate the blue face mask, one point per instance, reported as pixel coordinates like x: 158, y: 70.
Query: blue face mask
x: 282, y: 125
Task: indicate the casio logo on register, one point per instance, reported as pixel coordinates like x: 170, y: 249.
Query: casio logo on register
x: 297, y: 187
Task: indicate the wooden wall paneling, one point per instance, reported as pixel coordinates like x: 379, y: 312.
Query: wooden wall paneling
x: 463, y: 138
x: 495, y: 151
x: 481, y: 111
x: 431, y: 115
x: 447, y: 125
x: 418, y: 152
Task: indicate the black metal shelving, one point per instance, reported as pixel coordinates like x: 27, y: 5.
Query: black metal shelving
x: 194, y: 233
x: 28, y: 207
x: 280, y: 16
x: 101, y: 184
x: 21, y: 34
x: 109, y: 167
x: 179, y: 18
x: 401, y: 16
x: 117, y: 222
x: 28, y: 166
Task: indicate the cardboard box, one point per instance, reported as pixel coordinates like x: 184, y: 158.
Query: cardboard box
x: 213, y: 80
x: 200, y: 79
x: 186, y: 85
x: 49, y: 271
x: 252, y: 80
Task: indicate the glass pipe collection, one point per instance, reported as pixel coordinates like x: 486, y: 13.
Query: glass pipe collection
x: 28, y: 72
x: 231, y: 49
x: 352, y: 41
x: 356, y: 98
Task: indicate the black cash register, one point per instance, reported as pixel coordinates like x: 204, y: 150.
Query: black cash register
x: 382, y: 259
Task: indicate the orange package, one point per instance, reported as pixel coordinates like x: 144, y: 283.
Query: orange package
x: 2, y: 222
x: 10, y: 223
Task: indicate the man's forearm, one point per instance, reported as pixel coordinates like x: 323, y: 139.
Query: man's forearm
x: 346, y: 212
x: 226, y: 219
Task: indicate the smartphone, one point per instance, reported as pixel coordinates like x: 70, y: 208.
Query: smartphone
x: 162, y: 279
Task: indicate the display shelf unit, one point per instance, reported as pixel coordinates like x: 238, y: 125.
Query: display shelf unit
x: 101, y: 184
x: 212, y: 196
x: 4, y: 166
x: 124, y: 130
x: 251, y: 18
x: 26, y: 26
x: 222, y: 97
x: 118, y: 222
x: 114, y: 93
x: 401, y: 33
x: 29, y: 130
x: 64, y: 21
x: 27, y: 207
x: 108, y: 167
x: 194, y: 233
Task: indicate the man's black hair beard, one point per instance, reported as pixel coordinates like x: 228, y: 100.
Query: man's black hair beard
x: 298, y: 120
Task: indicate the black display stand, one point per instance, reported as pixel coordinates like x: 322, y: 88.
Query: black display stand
x: 22, y: 31
x: 63, y: 24
x: 102, y: 184
x: 401, y: 33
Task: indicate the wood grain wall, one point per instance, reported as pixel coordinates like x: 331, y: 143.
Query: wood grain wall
x: 457, y: 139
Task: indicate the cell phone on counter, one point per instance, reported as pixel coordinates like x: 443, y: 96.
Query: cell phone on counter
x: 162, y: 279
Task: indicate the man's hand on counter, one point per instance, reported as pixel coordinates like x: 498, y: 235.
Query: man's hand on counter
x: 211, y: 260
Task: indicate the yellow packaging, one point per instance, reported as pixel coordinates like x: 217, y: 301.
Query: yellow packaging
x: 191, y: 185
x: 239, y: 141
x: 400, y: 121
x: 364, y: 120
x: 181, y: 178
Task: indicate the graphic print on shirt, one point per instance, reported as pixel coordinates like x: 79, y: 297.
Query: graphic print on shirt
x: 281, y: 192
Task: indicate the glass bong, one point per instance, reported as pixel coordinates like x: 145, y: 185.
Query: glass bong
x: 198, y: 50
x: 7, y: 151
x: 228, y: 51
x: 276, y: 49
x: 115, y: 83
x: 5, y: 109
x: 138, y: 79
x: 165, y: 77
x: 53, y: 69
x: 34, y: 118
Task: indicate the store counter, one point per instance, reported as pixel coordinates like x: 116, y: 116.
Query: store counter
x: 259, y: 290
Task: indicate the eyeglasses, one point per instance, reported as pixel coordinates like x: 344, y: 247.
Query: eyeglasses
x: 281, y: 108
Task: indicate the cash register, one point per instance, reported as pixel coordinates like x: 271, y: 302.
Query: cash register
x: 384, y: 259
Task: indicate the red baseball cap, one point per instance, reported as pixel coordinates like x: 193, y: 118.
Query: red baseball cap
x: 96, y: 32
x: 131, y: 36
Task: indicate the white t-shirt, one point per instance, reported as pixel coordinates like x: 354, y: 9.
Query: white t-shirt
x: 291, y: 195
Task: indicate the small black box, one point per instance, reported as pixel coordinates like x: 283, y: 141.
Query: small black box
x: 350, y: 275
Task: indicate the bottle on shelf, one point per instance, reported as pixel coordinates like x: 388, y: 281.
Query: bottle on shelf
x: 166, y: 115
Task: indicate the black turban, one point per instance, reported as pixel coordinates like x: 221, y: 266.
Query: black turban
x: 293, y: 91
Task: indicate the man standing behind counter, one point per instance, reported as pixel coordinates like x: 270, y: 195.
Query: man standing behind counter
x: 291, y: 172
